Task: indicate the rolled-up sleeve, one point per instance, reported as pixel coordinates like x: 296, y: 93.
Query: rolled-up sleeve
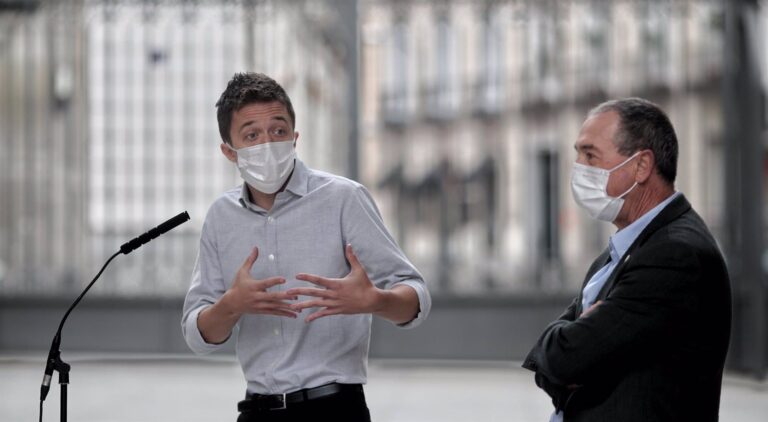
x: 384, y: 261
x: 425, y: 303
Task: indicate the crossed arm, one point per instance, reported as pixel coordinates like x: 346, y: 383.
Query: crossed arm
x: 645, y: 306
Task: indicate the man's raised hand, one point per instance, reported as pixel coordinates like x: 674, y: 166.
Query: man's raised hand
x: 250, y: 296
x: 353, y: 294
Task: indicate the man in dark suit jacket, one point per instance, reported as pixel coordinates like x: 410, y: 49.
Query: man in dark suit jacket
x: 646, y: 338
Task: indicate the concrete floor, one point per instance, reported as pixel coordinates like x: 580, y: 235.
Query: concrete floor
x: 173, y: 388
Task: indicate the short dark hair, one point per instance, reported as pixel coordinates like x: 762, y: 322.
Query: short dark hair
x: 248, y: 88
x: 644, y: 125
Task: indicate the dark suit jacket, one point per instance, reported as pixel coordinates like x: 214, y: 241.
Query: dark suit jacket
x: 654, y: 350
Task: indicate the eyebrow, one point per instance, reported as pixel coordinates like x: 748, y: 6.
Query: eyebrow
x: 279, y: 118
x: 584, y: 147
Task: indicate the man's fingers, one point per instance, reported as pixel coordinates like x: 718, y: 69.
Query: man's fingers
x: 250, y: 260
x: 323, y: 313
x: 316, y: 279
x: 273, y: 302
x: 280, y: 296
x: 288, y: 314
x: 314, y: 303
x: 269, y: 282
x: 354, y: 263
x: 311, y: 291
x: 271, y: 306
x: 591, y: 308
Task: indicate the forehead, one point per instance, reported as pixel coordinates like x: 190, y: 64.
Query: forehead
x: 598, y: 132
x: 260, y: 112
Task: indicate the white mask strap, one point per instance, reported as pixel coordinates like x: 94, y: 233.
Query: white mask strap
x: 625, y: 161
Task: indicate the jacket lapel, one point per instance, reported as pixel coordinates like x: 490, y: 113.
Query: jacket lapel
x: 671, y: 212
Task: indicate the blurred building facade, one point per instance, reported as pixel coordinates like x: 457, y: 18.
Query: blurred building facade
x: 109, y: 127
x: 459, y: 116
x: 470, y: 111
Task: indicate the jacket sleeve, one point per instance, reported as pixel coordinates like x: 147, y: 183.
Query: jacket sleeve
x: 654, y: 292
x: 557, y: 392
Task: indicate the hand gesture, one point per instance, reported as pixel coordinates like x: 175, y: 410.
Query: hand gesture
x: 353, y: 294
x: 250, y: 296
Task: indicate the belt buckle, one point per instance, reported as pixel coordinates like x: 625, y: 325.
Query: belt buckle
x: 283, y: 403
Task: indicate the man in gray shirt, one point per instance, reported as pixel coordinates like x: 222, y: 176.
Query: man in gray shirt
x: 298, y: 260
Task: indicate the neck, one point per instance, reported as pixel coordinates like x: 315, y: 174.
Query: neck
x: 644, y: 200
x: 263, y: 200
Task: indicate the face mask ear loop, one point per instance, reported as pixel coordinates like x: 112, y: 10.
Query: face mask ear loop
x: 619, y: 166
x: 627, y: 192
x: 624, y: 162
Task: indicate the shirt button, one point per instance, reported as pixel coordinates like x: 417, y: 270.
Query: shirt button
x: 277, y: 332
x: 271, y: 220
x: 271, y: 257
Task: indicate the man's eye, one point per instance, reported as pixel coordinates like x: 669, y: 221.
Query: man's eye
x: 250, y: 136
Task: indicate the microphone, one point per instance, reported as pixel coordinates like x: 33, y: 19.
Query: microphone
x: 49, y: 366
x: 136, y: 242
x: 54, y: 362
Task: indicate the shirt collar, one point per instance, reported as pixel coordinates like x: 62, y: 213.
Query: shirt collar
x: 621, y: 241
x: 297, y: 185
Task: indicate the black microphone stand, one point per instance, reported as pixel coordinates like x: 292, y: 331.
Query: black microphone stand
x: 54, y: 362
x: 63, y: 369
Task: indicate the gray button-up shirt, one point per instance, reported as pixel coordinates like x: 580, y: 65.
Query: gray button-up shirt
x: 306, y: 231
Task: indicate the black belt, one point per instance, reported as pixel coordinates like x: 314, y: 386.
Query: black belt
x: 261, y: 402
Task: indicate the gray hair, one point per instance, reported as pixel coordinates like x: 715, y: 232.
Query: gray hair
x: 644, y: 125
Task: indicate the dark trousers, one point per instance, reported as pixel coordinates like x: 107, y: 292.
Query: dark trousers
x: 345, y: 406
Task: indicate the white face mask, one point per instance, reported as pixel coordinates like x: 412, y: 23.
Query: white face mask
x: 589, y: 186
x: 266, y: 166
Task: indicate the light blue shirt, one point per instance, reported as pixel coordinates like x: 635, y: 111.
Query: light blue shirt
x: 618, y: 244
x: 306, y: 231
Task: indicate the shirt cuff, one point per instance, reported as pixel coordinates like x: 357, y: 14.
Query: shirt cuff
x: 425, y: 303
x: 194, y: 338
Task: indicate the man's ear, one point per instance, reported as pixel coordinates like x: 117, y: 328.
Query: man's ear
x: 646, y: 163
x: 227, y: 151
x: 295, y: 138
